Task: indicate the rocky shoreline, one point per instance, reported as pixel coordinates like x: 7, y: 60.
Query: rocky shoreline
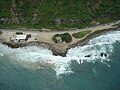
x: 18, y: 45
x: 41, y: 44
x: 55, y: 51
x: 84, y: 40
x: 91, y: 36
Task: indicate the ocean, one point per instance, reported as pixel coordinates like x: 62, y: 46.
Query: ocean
x: 95, y: 66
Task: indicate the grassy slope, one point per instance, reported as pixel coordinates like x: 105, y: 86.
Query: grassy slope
x: 80, y: 34
x: 72, y: 13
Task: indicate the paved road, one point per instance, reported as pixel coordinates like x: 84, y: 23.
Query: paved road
x: 99, y: 27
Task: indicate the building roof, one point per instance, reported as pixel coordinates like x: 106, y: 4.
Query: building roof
x: 21, y: 37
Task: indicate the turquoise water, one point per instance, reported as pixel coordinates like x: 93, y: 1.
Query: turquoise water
x: 21, y: 69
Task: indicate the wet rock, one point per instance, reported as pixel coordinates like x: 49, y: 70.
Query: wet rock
x: 105, y: 55
x: 87, y: 55
x: 101, y: 54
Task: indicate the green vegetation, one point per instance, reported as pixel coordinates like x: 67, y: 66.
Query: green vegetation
x: 58, y: 38
x: 80, y: 34
x: 0, y: 32
x: 66, y: 37
x: 57, y: 14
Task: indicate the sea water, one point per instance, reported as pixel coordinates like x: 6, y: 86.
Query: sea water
x: 95, y: 66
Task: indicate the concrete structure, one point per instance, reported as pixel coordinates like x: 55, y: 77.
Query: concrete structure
x: 21, y: 37
x: 59, y: 39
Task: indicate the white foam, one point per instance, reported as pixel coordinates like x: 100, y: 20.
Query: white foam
x: 107, y: 38
x: 1, y: 54
x: 33, y: 54
x: 92, y: 52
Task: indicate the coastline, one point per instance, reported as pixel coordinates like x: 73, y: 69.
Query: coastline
x: 81, y: 42
x: 62, y: 48
x: 92, y: 35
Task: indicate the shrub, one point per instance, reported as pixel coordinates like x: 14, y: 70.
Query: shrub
x: 19, y: 33
x: 29, y: 36
x: 66, y: 37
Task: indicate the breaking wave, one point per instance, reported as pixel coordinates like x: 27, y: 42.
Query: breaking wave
x: 97, y: 49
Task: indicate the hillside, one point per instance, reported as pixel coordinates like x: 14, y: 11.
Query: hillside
x: 57, y: 14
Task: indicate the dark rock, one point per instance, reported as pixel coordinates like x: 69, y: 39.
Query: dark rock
x: 63, y: 54
x: 105, y: 55
x: 87, y: 55
x: 101, y: 54
x: 13, y: 45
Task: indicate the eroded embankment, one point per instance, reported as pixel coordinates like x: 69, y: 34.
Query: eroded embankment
x: 61, y: 52
x: 92, y: 35
x: 83, y: 41
x: 54, y: 50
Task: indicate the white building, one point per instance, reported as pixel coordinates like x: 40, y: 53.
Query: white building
x: 20, y: 37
